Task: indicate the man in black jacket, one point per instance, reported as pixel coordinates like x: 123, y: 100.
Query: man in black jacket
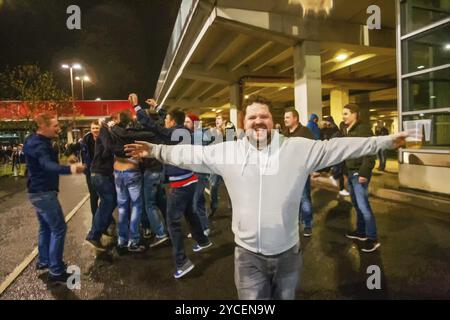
x: 359, y: 175
x: 102, y: 178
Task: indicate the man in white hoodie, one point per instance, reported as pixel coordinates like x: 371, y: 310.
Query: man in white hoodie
x: 264, y: 173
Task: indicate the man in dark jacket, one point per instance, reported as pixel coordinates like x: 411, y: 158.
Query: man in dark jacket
x: 102, y: 179
x: 183, y: 184
x: 359, y: 175
x: 43, y: 188
x: 295, y: 129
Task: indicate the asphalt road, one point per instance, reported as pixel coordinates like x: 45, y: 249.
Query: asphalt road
x: 414, y: 258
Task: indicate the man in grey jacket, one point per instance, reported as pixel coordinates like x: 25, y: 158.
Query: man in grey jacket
x: 264, y: 173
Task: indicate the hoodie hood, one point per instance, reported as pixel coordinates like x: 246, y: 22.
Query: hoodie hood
x: 313, y: 117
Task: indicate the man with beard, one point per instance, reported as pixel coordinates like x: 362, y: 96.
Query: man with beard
x: 264, y: 173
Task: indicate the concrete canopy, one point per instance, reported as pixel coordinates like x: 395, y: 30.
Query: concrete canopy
x: 250, y: 43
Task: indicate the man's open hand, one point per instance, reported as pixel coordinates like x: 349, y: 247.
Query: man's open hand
x: 140, y: 149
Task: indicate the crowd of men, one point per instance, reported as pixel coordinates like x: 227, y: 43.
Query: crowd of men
x: 154, y: 169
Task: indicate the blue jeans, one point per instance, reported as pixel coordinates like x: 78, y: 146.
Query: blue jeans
x: 259, y: 277
x: 199, y: 200
x: 52, y: 230
x: 105, y: 190
x: 306, y: 210
x: 179, y: 203
x: 365, y: 220
x: 151, y: 183
x: 129, y: 194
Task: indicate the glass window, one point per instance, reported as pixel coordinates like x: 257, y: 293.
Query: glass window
x: 426, y: 50
x: 427, y: 91
x: 416, y: 14
x: 440, y: 129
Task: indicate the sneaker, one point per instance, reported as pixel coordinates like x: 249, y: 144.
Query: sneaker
x: 135, y: 247
x: 159, y: 240
x: 147, y: 233
x: 185, y: 269
x: 207, y: 232
x: 60, y: 279
x: 356, y: 235
x: 344, y: 193
x: 197, y: 247
x: 307, y: 232
x: 333, y: 181
x: 95, y: 244
x: 41, y: 267
x: 370, y: 245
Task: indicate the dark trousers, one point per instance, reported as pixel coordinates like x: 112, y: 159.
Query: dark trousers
x: 93, y: 195
x: 179, y: 203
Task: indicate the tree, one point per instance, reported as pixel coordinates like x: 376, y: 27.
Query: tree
x: 34, y: 91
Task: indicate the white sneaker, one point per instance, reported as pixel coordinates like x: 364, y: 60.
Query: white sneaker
x: 333, y: 181
x: 344, y: 193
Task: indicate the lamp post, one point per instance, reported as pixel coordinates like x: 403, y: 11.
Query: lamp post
x: 82, y: 79
x: 75, y: 66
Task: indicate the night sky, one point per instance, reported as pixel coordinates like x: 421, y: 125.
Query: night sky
x: 121, y: 44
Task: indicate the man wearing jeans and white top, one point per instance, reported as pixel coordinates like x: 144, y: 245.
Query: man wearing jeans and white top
x: 264, y: 174
x: 43, y: 183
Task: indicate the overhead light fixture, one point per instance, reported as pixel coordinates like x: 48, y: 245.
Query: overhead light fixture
x: 77, y: 66
x: 218, y: 111
x: 433, y: 97
x: 373, y: 110
x: 422, y: 115
x: 420, y: 67
x: 316, y: 7
x: 98, y: 99
x: 214, y: 110
x: 65, y: 66
x: 77, y: 78
x: 341, y: 57
x: 246, y: 96
x: 447, y: 46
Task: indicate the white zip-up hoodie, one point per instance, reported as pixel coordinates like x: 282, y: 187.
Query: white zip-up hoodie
x: 265, y: 186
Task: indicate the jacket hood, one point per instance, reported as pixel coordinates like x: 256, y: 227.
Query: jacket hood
x: 313, y: 116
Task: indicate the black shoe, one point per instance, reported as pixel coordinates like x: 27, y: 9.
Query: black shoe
x: 371, y: 245
x: 159, y: 240
x: 136, y: 248
x: 60, y: 279
x: 307, y: 232
x: 356, y: 235
x: 41, y: 267
x: 95, y: 244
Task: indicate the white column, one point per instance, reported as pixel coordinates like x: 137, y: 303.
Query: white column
x: 235, y: 103
x: 307, y: 77
x: 338, y: 99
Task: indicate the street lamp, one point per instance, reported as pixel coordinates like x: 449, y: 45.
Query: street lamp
x: 75, y: 66
x: 82, y: 79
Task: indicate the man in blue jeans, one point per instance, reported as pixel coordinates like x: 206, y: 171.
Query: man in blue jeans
x: 359, y: 175
x: 102, y: 179
x: 43, y: 184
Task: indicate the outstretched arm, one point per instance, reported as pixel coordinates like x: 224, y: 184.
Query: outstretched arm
x: 186, y: 156
x: 327, y: 153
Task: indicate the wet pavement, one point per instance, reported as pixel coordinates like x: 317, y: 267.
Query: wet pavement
x: 414, y: 257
